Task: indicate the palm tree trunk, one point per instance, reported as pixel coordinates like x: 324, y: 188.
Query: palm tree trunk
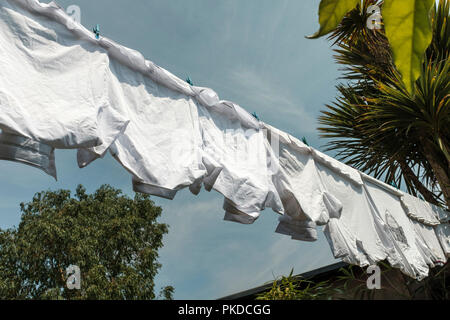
x: 439, y: 169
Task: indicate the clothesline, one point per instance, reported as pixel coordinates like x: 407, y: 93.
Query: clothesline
x: 63, y: 87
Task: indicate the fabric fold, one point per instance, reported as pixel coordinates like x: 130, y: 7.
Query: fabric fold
x: 345, y: 245
x: 236, y: 160
x: 52, y: 82
x: 396, y: 229
x: 420, y: 210
x: 301, y: 230
x: 351, y: 230
x: 443, y: 234
x: 26, y: 151
x: 428, y: 244
x: 153, y: 190
x: 295, y: 178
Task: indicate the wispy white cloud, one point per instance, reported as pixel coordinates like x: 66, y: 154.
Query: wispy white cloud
x: 270, y: 99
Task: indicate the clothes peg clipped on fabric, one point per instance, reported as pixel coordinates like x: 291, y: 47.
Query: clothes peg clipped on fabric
x: 304, y: 141
x: 255, y: 115
x: 394, y: 184
x: 96, y: 31
x: 188, y: 80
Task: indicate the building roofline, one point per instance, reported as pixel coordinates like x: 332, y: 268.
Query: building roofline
x: 306, y: 275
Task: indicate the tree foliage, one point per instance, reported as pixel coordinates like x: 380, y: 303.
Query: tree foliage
x: 113, y: 239
x: 294, y: 288
x: 408, y: 29
x: 407, y: 25
x: 376, y: 124
x: 331, y: 13
x: 350, y: 283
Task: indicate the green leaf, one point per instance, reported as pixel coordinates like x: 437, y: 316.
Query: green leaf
x: 331, y: 13
x: 408, y: 28
x: 444, y: 149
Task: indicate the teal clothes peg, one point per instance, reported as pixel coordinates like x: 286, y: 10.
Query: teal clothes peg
x: 96, y: 31
x: 255, y: 116
x: 394, y: 184
x: 188, y: 80
x: 304, y: 141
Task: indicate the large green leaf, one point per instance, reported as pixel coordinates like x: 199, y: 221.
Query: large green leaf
x: 408, y: 29
x: 331, y: 13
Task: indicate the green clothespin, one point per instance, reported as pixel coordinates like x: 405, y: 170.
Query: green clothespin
x: 188, y: 80
x: 255, y: 116
x: 96, y: 31
x: 394, y: 184
x: 304, y: 141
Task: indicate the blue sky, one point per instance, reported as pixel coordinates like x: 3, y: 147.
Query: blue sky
x: 252, y: 52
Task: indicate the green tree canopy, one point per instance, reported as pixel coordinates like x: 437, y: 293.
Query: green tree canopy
x: 113, y: 239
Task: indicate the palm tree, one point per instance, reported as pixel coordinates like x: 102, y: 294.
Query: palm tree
x: 376, y: 125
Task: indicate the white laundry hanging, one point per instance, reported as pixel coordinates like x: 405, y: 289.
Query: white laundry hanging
x: 420, y: 210
x: 397, y: 228
x: 443, y: 230
x: 297, y: 183
x: 352, y: 230
x: 428, y: 244
x: 443, y: 234
x: 173, y: 142
x: 52, y: 83
x: 161, y: 145
x: 237, y: 162
x: 425, y: 218
x: 62, y: 88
